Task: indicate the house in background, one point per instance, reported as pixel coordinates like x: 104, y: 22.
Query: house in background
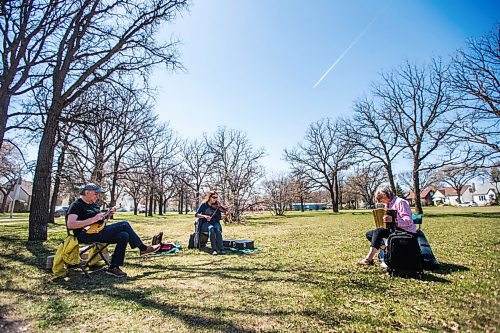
x: 448, y: 195
x: 23, y: 200
x: 426, y: 196
x: 486, y: 193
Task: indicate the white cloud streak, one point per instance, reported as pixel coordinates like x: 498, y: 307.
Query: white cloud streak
x: 348, y: 48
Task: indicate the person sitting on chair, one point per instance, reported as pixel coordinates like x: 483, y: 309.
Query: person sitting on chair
x: 209, y: 214
x: 403, y: 221
x: 85, y: 211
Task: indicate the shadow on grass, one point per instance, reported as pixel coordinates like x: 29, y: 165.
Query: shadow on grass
x: 38, y: 249
x: 195, y: 316
x: 209, y: 319
x: 447, y: 268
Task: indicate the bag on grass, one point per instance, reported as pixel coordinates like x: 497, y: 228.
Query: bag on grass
x: 166, y: 248
x: 402, y: 254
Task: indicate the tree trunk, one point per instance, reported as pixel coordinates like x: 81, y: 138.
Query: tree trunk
x: 390, y: 176
x: 416, y: 186
x: 149, y: 212
x: 335, y: 193
x: 332, y: 199
x: 160, y: 204
x: 301, y: 203
x: 4, y: 110
x: 114, y: 181
x: 39, y: 210
x: 57, y: 183
x: 181, y: 202
x: 97, y: 173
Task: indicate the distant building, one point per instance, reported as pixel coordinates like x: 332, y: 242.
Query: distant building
x: 448, y: 195
x: 23, y: 201
x: 426, y: 196
x: 309, y: 206
x: 486, y: 193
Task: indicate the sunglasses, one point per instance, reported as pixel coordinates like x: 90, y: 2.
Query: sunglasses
x: 214, y: 197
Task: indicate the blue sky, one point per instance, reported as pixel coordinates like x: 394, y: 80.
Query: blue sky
x: 252, y: 64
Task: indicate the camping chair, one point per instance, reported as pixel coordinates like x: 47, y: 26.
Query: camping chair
x: 98, y: 248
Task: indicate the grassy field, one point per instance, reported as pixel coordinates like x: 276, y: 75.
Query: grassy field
x: 303, y: 280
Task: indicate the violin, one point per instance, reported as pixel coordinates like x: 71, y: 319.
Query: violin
x: 223, y: 209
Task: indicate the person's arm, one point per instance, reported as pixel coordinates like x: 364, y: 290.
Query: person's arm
x: 73, y: 223
x: 199, y: 215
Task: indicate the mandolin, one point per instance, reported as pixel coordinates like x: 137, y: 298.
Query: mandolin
x: 95, y: 228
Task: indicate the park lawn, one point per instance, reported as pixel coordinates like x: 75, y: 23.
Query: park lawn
x: 303, y: 280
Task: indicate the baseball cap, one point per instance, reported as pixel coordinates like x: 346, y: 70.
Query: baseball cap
x: 92, y: 187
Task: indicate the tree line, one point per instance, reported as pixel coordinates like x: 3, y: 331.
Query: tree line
x: 75, y: 76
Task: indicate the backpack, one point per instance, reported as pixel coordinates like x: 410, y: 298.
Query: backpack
x: 402, y: 255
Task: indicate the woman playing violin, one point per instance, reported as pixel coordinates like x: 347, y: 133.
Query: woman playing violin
x: 209, y: 214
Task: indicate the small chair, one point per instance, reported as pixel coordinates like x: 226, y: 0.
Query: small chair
x: 84, y: 265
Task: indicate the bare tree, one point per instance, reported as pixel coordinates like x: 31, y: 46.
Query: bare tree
x: 158, y: 152
x: 476, y: 76
x: 457, y: 177
x: 197, y: 164
x: 427, y: 178
x: 134, y: 186
x: 301, y: 188
x: 97, y: 42
x: 375, y: 137
x: 278, y: 191
x: 423, y: 107
x: 115, y: 118
x: 237, y: 168
x: 365, y: 181
x: 322, y: 156
x: 11, y: 166
x: 25, y: 27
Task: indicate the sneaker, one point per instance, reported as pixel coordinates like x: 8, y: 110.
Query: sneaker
x: 214, y: 253
x: 383, y: 265
x: 366, y: 262
x: 222, y: 252
x: 150, y: 249
x: 116, y: 272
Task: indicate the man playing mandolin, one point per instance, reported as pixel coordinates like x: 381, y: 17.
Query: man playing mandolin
x: 88, y: 225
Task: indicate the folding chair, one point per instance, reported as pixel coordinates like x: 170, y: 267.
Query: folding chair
x: 84, y: 265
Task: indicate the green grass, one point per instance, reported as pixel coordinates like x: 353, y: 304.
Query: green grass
x: 304, y: 280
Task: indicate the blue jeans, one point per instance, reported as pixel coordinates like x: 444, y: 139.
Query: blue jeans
x: 215, y: 234
x: 119, y: 233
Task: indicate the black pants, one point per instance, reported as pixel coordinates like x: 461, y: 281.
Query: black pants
x: 375, y: 236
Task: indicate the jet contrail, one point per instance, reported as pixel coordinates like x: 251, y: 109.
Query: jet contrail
x: 347, y: 50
